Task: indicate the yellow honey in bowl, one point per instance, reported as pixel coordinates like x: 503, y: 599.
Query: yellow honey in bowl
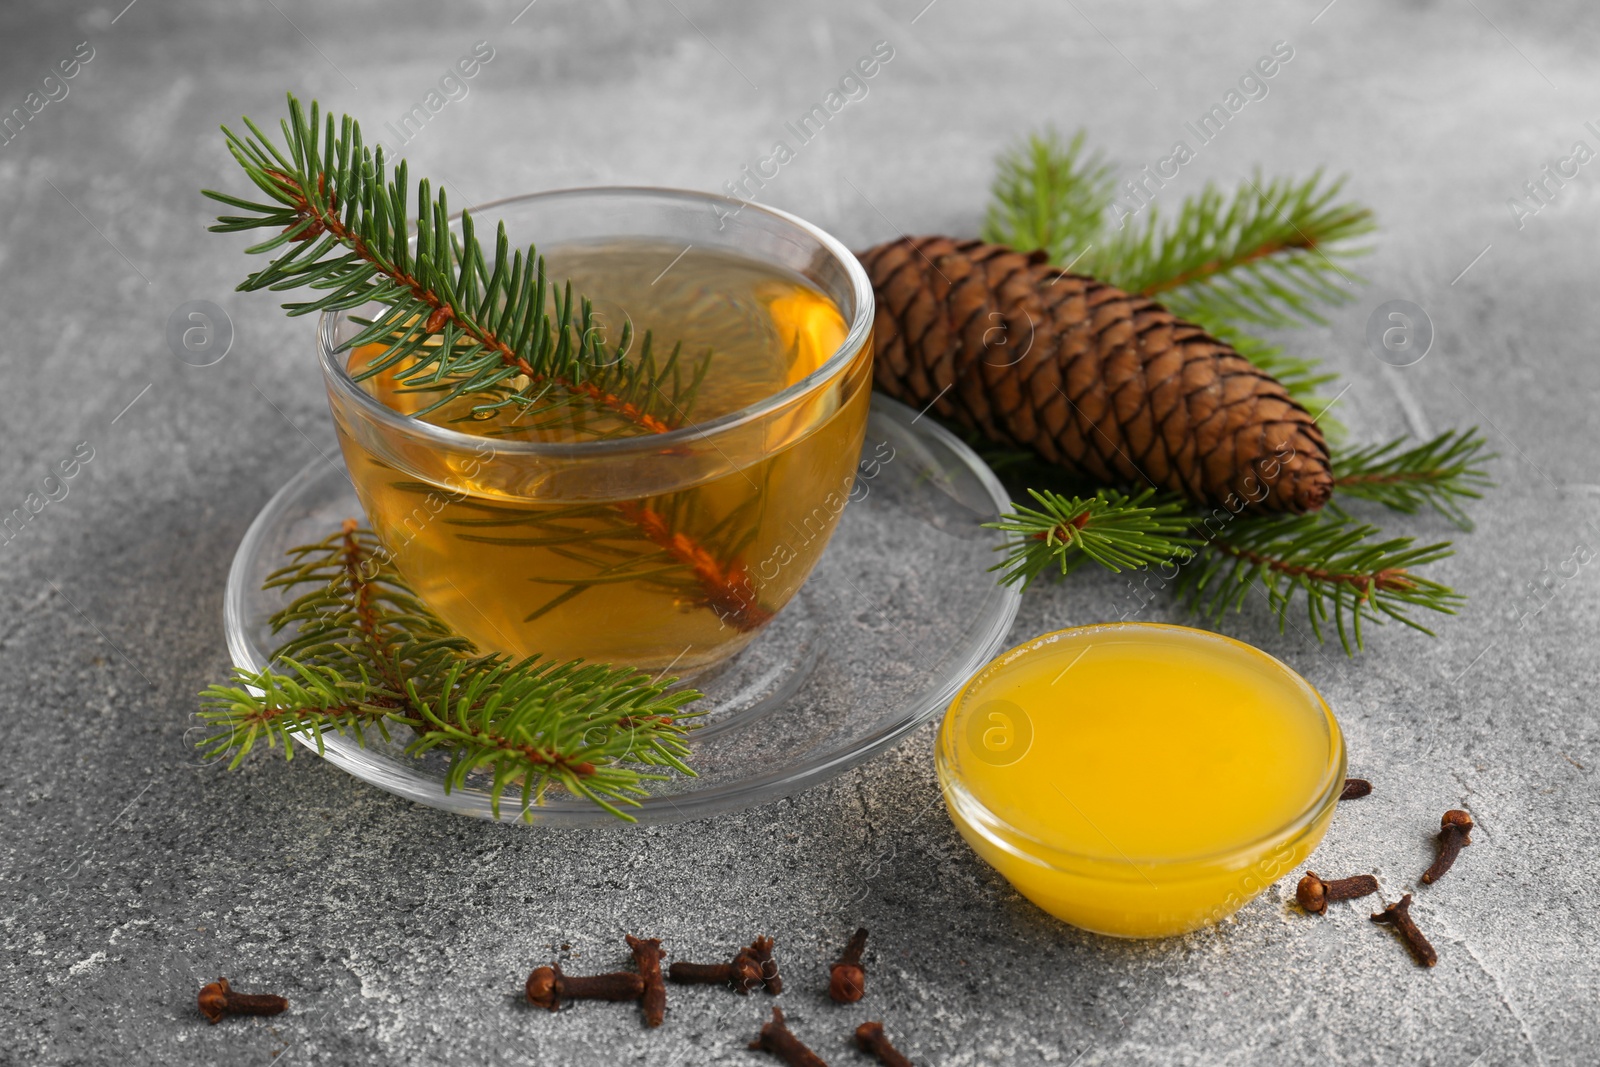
x: 1139, y: 779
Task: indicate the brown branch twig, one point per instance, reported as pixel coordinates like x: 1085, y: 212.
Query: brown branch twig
x: 1389, y: 581
x: 268, y: 715
x: 729, y: 590
x: 1065, y: 531
x: 1389, y: 479
x: 1212, y: 267
x: 366, y: 618
x: 532, y: 753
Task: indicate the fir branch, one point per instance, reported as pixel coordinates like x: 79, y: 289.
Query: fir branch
x: 1441, y: 474
x: 537, y: 723
x: 1049, y: 195
x: 1269, y: 255
x: 365, y: 655
x: 1110, y: 528
x: 632, y: 542
x: 1344, y: 570
x: 456, y: 322
x: 274, y: 706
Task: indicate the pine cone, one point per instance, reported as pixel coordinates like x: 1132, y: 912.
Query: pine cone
x: 1110, y: 385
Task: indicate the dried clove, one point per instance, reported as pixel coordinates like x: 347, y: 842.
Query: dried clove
x: 547, y: 987
x: 1355, y: 789
x: 1398, y: 915
x: 1455, y: 833
x: 745, y: 972
x: 759, y: 952
x: 686, y: 973
x: 871, y: 1039
x: 778, y: 1039
x: 218, y: 999
x: 752, y: 966
x: 647, y: 958
x: 847, y: 979
x: 1314, y: 894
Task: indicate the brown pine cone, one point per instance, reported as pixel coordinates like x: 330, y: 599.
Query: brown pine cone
x: 1110, y: 385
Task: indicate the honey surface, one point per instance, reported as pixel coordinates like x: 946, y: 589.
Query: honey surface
x: 1142, y: 746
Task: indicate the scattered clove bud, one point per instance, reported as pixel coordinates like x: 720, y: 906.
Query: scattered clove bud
x: 218, y: 999
x: 686, y: 973
x: 778, y: 1039
x: 647, y: 958
x: 760, y: 953
x: 1398, y: 915
x: 871, y: 1039
x: 1314, y: 894
x: 847, y: 979
x: 1355, y: 789
x: 547, y: 987
x: 752, y: 966
x: 1455, y: 833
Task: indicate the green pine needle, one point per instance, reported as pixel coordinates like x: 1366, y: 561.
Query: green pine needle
x: 1269, y: 255
x: 365, y: 657
x: 1344, y: 571
x: 1110, y: 528
x: 455, y: 322
x: 1049, y: 195
x: 1440, y: 474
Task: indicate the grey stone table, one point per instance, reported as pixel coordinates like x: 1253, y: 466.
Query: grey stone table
x: 131, y: 873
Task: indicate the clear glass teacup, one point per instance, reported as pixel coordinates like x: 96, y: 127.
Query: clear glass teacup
x: 667, y: 549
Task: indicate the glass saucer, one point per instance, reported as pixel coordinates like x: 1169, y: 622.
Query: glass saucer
x: 900, y: 611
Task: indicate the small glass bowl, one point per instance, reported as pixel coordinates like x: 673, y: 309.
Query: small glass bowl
x: 1137, y: 896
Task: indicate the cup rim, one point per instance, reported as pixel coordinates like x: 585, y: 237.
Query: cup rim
x: 1003, y: 835
x: 859, y: 334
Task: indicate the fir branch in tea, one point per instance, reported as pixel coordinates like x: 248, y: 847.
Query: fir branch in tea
x: 365, y: 656
x: 456, y: 322
x: 633, y: 542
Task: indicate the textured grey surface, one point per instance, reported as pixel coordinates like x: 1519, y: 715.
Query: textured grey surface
x: 131, y: 874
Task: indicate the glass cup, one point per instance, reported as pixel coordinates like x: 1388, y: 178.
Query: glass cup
x: 664, y: 551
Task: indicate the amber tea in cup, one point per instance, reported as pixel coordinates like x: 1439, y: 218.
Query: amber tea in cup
x: 593, y: 532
